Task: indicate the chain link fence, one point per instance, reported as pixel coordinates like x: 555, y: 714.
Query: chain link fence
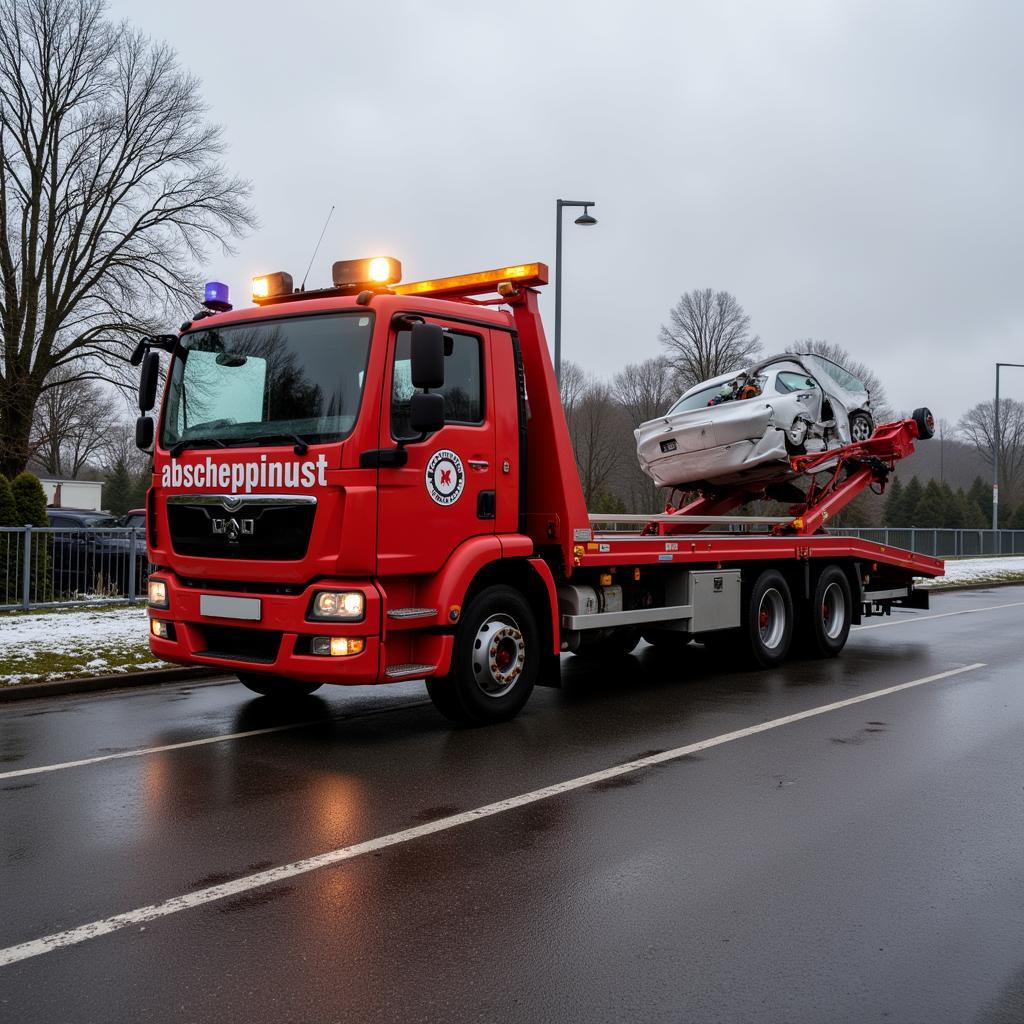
x: 44, y: 566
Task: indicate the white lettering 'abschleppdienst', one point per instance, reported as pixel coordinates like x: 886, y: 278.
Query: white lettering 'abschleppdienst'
x: 244, y: 476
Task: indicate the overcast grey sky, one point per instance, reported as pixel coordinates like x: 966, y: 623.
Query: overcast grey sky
x: 849, y: 170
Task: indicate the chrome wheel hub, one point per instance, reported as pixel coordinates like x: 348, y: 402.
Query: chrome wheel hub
x: 771, y: 618
x: 499, y: 655
x: 833, y: 611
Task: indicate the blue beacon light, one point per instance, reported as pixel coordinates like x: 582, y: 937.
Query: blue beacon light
x: 216, y: 297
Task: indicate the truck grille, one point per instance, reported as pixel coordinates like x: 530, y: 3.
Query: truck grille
x: 271, y: 527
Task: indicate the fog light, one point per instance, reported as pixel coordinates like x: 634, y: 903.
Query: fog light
x: 160, y: 629
x: 157, y: 594
x: 338, y: 604
x: 337, y: 646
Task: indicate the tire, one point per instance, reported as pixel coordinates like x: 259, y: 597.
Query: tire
x: 495, y: 660
x: 925, y: 423
x: 618, y: 643
x: 767, y: 629
x: 862, y: 426
x: 277, y: 687
x: 796, y: 436
x: 825, y: 624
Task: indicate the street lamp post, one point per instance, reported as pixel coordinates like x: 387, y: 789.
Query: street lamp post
x: 585, y: 220
x: 995, y: 445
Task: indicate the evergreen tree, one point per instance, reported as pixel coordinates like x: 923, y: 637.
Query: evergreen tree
x: 118, y: 489
x: 29, y: 499
x: 9, y: 579
x: 1017, y: 519
x: 972, y: 517
x: 980, y: 494
x: 894, y: 502
x: 8, y: 509
x: 912, y: 495
x: 931, y: 509
x: 953, y: 513
x: 30, y: 505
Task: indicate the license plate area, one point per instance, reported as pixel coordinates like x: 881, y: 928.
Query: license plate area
x: 217, y: 606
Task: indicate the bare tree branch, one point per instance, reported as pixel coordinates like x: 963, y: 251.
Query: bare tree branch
x: 112, y: 190
x: 708, y: 334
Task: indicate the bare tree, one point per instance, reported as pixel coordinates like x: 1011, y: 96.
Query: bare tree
x: 977, y: 427
x: 73, y: 424
x: 111, y: 189
x: 642, y: 391
x: 591, y: 415
x: 708, y: 334
x: 880, y: 406
x: 645, y: 390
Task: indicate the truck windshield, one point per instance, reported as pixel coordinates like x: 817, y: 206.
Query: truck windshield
x: 298, y: 376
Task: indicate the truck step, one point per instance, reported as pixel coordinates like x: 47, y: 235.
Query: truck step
x: 412, y: 613
x: 397, y: 671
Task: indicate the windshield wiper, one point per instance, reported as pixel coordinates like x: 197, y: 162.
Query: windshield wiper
x: 196, y: 442
x: 300, y: 443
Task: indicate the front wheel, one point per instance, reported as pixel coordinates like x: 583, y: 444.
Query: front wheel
x: 277, y: 687
x: 768, y: 619
x: 495, y: 660
x: 925, y: 423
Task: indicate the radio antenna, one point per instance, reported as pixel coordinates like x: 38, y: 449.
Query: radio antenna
x: 302, y: 287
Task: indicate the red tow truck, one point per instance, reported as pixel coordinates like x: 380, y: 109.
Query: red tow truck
x: 374, y: 482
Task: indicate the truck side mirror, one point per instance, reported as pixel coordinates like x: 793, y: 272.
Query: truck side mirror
x: 147, y: 381
x: 426, y: 356
x: 426, y: 412
x: 144, y: 433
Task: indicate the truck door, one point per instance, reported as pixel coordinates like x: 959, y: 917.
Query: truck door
x: 445, y: 492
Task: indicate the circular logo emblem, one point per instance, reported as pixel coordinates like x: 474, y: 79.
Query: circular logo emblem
x: 445, y: 477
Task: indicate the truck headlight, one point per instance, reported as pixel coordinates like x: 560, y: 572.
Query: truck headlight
x: 157, y: 594
x: 338, y: 605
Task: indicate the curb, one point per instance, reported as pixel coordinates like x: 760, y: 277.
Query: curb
x: 92, y: 684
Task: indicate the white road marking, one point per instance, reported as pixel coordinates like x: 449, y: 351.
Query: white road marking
x: 74, y: 936
x: 940, y: 615
x: 221, y: 738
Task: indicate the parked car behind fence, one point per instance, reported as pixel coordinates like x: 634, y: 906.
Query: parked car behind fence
x: 81, y: 556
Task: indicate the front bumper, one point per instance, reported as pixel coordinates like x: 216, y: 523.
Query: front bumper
x: 277, y: 643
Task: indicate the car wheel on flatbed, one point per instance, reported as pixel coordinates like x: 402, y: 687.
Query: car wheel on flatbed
x: 862, y: 426
x: 277, y: 687
x: 495, y: 660
x: 767, y: 629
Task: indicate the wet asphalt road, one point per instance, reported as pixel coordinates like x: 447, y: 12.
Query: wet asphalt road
x: 865, y: 864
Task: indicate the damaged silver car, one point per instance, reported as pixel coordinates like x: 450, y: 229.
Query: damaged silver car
x: 742, y: 427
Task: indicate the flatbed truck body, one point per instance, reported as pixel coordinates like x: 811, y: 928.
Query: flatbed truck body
x: 438, y: 529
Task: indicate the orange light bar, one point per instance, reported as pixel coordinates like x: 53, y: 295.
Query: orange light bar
x: 526, y: 275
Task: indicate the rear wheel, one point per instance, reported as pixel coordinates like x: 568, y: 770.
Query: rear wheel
x: 277, y: 687
x: 826, y: 625
x: 925, y: 423
x: 768, y: 619
x: 495, y: 660
x: 862, y: 426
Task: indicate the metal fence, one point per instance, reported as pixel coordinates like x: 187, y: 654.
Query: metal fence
x: 46, y: 566
x: 944, y: 543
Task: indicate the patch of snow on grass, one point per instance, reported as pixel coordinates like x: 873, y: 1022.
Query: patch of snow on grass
x: 979, y: 570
